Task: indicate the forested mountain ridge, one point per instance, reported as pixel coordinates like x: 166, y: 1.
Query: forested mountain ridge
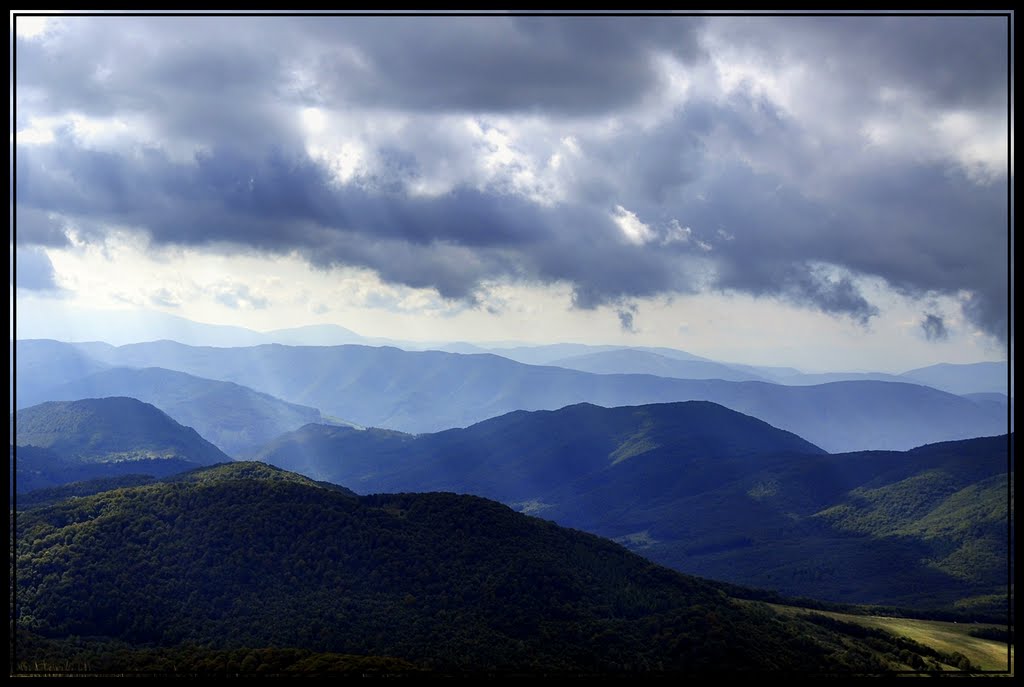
x: 712, y: 492
x: 66, y: 441
x: 247, y: 556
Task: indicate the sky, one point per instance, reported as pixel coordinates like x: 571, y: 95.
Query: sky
x: 821, y: 192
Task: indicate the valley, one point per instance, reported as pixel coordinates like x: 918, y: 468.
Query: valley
x: 691, y: 484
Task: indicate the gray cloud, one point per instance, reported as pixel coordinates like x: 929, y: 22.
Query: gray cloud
x: 165, y: 298
x: 732, y: 165
x: 180, y: 66
x: 626, y: 314
x: 239, y: 296
x: 934, y: 327
x: 948, y: 60
x: 457, y: 241
x: 39, y: 228
x: 33, y: 270
x: 507, y: 64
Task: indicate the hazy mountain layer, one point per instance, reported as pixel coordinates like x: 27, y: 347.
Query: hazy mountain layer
x: 235, y: 418
x: 629, y: 361
x: 964, y: 379
x: 429, y: 391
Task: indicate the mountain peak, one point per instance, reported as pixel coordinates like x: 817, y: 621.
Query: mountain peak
x: 112, y: 429
x: 252, y: 470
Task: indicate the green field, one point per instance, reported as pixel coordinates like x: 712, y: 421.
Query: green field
x: 943, y: 636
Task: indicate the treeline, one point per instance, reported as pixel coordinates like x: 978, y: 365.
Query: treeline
x: 995, y: 613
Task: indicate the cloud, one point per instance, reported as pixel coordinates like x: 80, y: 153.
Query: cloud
x: 626, y: 314
x: 164, y: 297
x: 239, y: 296
x: 454, y: 64
x: 934, y: 327
x: 33, y: 270
x: 633, y: 230
x: 40, y: 228
x: 624, y: 157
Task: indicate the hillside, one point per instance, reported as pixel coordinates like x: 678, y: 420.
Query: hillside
x: 235, y: 418
x: 43, y: 363
x: 711, y: 492
x: 39, y: 470
x: 924, y: 528
x: 549, y: 353
x: 66, y: 441
x: 964, y: 379
x: 523, y: 455
x: 631, y: 361
x: 429, y: 391
x: 248, y: 557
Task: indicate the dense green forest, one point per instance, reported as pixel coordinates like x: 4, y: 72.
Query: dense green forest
x: 69, y: 441
x: 244, y: 565
x: 109, y: 430
x: 715, y: 493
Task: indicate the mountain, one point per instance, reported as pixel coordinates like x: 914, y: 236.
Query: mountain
x: 118, y: 327
x: 955, y: 379
x: 102, y: 437
x: 314, y: 335
x: 235, y: 418
x: 631, y: 361
x: 344, y: 455
x: 549, y: 353
x: 44, y: 363
x: 523, y: 455
x: 431, y: 390
x: 39, y: 469
x: 926, y: 528
x: 245, y: 557
x: 708, y: 491
x: 964, y: 379
x: 811, y: 378
x: 993, y: 402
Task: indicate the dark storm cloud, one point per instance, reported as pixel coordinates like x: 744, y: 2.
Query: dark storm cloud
x: 924, y: 228
x: 40, y: 228
x: 490, y: 64
x: 193, y: 78
x: 766, y: 206
x: 948, y: 60
x: 934, y: 327
x: 930, y: 228
x: 626, y: 314
x: 451, y: 242
x: 34, y: 270
x: 184, y: 69
x: 456, y: 241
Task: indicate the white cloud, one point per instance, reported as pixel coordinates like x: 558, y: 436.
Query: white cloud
x: 635, y: 231
x: 31, y: 27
